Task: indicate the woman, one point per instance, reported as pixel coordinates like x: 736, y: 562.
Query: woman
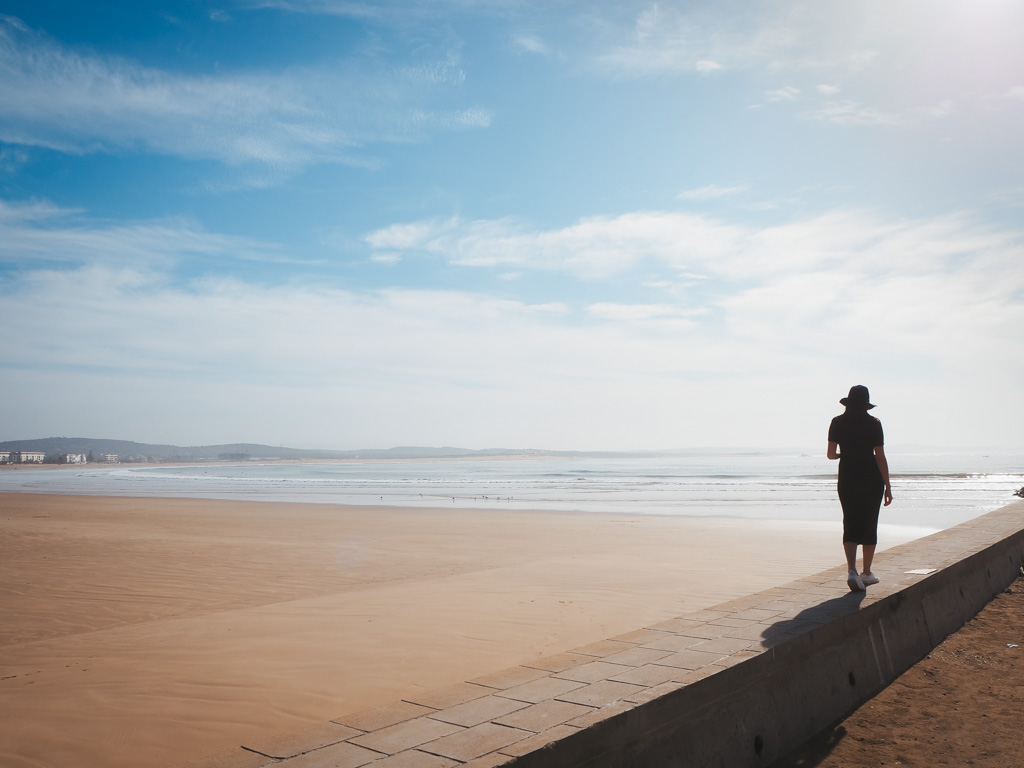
x: 855, y: 438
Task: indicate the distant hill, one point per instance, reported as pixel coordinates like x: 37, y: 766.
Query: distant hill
x: 129, y: 451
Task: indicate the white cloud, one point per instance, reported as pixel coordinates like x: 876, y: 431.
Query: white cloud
x: 669, y: 39
x: 786, y: 93
x: 850, y: 112
x: 593, y: 248
x: 928, y: 304
x: 705, y: 66
x: 901, y: 60
x: 943, y: 109
x: 685, y: 244
x: 1009, y: 196
x: 531, y: 44
x: 551, y: 308
x: 12, y: 159
x: 393, y: 11
x: 55, y: 97
x: 418, y: 234
x: 862, y: 59
x: 40, y: 233
x: 711, y: 192
x: 639, y: 312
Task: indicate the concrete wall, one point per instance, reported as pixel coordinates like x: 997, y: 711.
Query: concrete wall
x: 755, y: 712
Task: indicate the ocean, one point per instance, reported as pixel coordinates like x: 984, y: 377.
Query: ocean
x: 932, y: 491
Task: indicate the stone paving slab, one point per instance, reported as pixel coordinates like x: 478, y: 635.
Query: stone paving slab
x: 235, y: 758
x: 597, y: 715
x: 641, y: 636
x: 690, y: 659
x: 605, y: 648
x: 592, y: 672
x: 539, y: 690
x: 490, y: 761
x: 382, y: 717
x: 736, y: 658
x: 678, y: 625
x: 412, y: 733
x: 488, y: 721
x: 655, y: 692
x: 284, y: 745
x: 547, y: 714
x: 442, y: 698
x: 675, y: 643
x: 539, y: 740
x: 636, y: 657
x: 342, y: 755
x: 478, y: 711
x: 600, y: 694
x: 508, y: 678
x: 726, y: 644
x: 559, y: 661
x: 414, y: 759
x: 647, y: 675
x: 476, y: 741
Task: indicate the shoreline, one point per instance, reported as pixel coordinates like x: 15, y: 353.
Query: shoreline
x: 141, y: 624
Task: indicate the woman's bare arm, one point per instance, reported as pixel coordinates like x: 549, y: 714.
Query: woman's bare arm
x: 833, y: 450
x: 883, y: 467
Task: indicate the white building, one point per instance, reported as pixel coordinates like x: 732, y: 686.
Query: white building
x: 73, y: 458
x: 31, y: 457
x: 109, y: 458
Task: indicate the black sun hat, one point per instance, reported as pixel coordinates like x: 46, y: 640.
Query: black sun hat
x: 858, y: 397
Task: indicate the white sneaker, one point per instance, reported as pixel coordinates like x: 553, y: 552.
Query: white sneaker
x: 867, y: 579
x: 856, y: 585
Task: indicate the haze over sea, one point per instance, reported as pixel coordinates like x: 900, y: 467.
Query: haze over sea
x: 933, y: 491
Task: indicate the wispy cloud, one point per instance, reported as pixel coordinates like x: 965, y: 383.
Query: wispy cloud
x: 387, y: 10
x: 838, y: 242
x: 55, y: 97
x: 674, y: 39
x: 42, y: 235
x: 706, y: 66
x: 531, y: 44
x: 849, y: 112
x: 712, y: 192
x: 1012, y: 197
x: 643, y: 312
x: 910, y: 300
x: 788, y: 289
x: 593, y: 248
x: 944, y: 108
x: 902, y: 62
x: 786, y: 93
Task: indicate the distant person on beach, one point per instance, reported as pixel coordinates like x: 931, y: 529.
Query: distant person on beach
x: 855, y: 438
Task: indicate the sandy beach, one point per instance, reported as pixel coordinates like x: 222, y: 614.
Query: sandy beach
x: 148, y: 632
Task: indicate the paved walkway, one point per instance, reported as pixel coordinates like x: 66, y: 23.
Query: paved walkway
x: 490, y: 720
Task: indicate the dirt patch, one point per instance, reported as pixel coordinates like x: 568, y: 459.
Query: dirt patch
x: 961, y: 705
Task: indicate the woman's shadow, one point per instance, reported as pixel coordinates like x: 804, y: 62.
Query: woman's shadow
x: 818, y: 747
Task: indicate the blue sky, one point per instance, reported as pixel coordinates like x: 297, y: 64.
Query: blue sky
x: 483, y: 223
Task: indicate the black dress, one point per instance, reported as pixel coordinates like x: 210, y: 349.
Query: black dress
x: 860, y: 483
